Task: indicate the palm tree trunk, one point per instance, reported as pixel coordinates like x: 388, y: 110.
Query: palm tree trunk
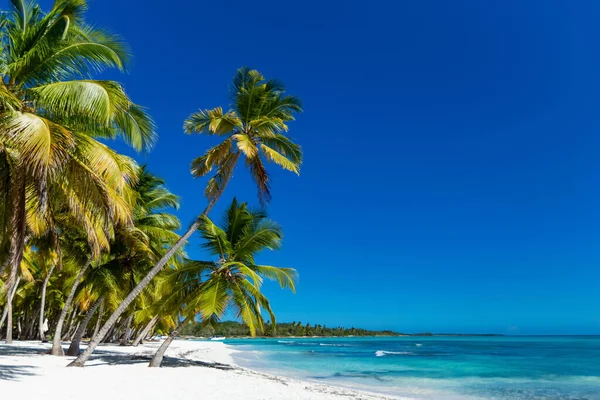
x: 16, y: 225
x: 142, y: 335
x: 6, y: 310
x: 57, y: 349
x: 109, y: 335
x: 160, y: 353
x: 72, y: 331
x: 100, y: 314
x: 44, y: 286
x: 83, y: 357
x: 70, y: 324
x: 74, y: 347
x: 30, y: 326
x: 127, y: 333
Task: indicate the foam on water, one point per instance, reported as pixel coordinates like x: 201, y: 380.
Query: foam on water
x: 381, y: 353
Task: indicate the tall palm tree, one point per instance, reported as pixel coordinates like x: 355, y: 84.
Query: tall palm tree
x: 44, y: 261
x: 235, y: 279
x: 254, y: 128
x: 26, y: 273
x: 50, y: 111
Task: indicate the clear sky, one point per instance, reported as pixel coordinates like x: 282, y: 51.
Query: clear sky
x: 451, y: 178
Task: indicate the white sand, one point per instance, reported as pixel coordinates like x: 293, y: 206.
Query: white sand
x: 26, y: 372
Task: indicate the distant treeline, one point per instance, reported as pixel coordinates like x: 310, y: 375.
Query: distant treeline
x: 233, y: 329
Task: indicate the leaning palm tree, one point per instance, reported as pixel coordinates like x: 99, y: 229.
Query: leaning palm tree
x: 50, y: 111
x: 137, y: 246
x: 254, y: 128
x: 235, y: 279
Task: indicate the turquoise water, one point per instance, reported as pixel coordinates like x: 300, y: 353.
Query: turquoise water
x: 516, y: 368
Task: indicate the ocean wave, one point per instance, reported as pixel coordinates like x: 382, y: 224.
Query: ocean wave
x: 381, y: 353
x: 334, y: 345
x: 295, y: 343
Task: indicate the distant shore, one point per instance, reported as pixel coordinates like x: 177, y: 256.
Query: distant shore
x: 351, y: 336
x: 192, y: 369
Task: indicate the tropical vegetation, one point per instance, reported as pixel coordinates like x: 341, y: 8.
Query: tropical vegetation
x: 286, y: 329
x: 89, y: 240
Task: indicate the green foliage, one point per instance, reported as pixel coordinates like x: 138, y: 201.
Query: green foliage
x: 255, y: 127
x: 51, y: 114
x: 287, y: 329
x: 234, y: 280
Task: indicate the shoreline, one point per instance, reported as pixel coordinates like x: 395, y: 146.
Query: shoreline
x: 191, y: 368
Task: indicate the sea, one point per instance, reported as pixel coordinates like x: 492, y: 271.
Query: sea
x: 438, y: 367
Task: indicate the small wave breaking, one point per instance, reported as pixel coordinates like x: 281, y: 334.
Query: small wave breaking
x: 382, y: 353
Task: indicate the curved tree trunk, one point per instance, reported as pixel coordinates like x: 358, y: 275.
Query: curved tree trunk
x: 6, y: 310
x: 99, y: 320
x: 74, y: 347
x: 57, y: 349
x: 72, y: 331
x: 45, y: 285
x: 109, y: 336
x: 16, y: 228
x: 142, y: 335
x: 160, y: 353
x: 127, y: 333
x: 71, y: 318
x: 83, y: 357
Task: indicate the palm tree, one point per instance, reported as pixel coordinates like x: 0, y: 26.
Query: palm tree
x: 25, y: 273
x: 136, y: 246
x: 48, y: 119
x: 44, y: 262
x: 235, y: 279
x: 254, y: 128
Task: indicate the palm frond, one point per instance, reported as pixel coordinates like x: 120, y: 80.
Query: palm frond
x: 286, y: 277
x: 245, y: 145
x: 261, y: 178
x: 213, y: 122
x: 215, y: 156
x: 216, y: 238
x: 279, y: 159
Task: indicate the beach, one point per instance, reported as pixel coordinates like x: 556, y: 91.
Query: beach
x: 191, y: 370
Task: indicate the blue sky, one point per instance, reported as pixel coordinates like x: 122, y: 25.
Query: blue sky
x: 451, y: 178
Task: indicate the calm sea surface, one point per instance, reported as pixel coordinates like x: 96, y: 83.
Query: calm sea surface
x: 513, y: 368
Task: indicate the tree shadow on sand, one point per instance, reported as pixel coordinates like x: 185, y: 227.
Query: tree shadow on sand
x: 8, y: 351
x: 168, y: 362
x: 14, y: 372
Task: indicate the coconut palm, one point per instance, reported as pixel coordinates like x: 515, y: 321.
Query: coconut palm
x: 254, y: 128
x: 50, y: 113
x: 44, y: 262
x: 234, y: 280
x: 25, y: 273
x: 137, y: 246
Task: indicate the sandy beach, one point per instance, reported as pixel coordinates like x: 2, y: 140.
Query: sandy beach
x: 191, y: 370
